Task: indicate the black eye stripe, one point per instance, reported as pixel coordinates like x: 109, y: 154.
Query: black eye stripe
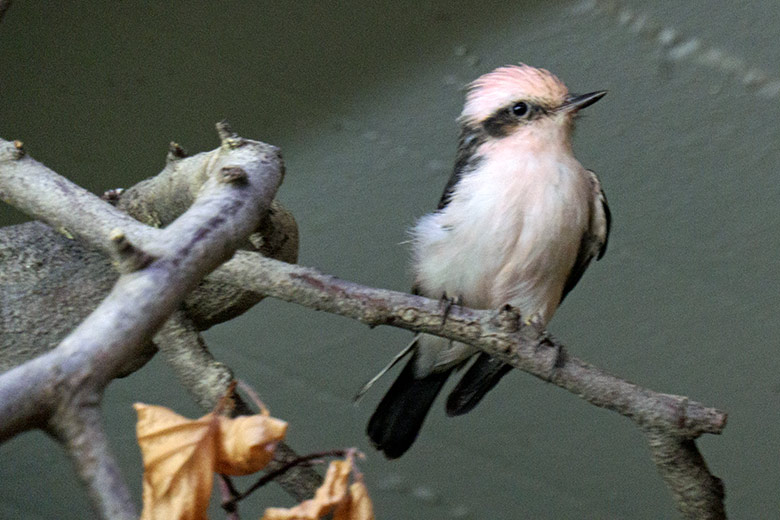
x: 501, y: 123
x: 505, y: 120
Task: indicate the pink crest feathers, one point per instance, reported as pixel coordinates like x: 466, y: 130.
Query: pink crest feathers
x: 510, y: 83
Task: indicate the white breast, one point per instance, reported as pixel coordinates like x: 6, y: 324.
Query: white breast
x: 509, y: 235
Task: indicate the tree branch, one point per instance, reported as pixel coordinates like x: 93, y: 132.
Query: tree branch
x: 207, y: 381
x: 196, y: 369
x: 502, y: 334
x: 44, y: 195
x: 697, y: 493
x: 59, y: 390
x: 671, y: 422
x: 80, y: 430
x: 675, y: 421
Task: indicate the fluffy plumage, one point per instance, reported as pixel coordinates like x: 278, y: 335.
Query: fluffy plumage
x: 518, y: 223
x: 508, y: 84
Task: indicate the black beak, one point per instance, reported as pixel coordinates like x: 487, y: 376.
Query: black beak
x: 578, y: 102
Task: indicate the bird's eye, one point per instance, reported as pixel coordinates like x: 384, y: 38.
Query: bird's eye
x: 520, y: 109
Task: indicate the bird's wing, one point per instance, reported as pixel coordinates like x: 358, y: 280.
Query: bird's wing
x: 465, y: 161
x: 594, y: 240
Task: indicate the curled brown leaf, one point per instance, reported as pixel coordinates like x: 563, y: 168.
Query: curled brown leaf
x: 181, y: 455
x: 347, y: 502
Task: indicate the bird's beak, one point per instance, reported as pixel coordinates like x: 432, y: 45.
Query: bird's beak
x: 575, y: 103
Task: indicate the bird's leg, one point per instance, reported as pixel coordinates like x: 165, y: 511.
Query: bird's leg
x: 508, y: 318
x: 448, y: 303
x: 560, y: 352
x: 546, y: 340
x: 560, y: 355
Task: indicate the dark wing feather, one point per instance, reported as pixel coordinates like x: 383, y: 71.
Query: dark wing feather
x: 483, y: 375
x: 594, y: 240
x: 395, y: 424
x: 467, y: 159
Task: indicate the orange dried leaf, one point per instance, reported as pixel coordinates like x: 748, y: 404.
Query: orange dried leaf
x: 332, y: 492
x: 358, y: 505
x: 180, y: 456
x: 349, y: 504
x: 247, y: 443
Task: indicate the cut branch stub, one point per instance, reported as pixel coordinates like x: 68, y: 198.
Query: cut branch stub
x: 12, y: 150
x: 228, y: 138
x: 232, y: 174
x: 175, y: 152
x: 128, y: 257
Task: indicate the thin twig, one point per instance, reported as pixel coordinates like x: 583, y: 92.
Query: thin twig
x: 253, y: 396
x: 268, y: 477
x: 229, y: 493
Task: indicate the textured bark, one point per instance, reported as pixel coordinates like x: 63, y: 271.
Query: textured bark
x: 698, y: 494
x: 54, y: 280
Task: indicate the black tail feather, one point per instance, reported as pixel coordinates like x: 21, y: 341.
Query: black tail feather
x: 397, y: 420
x: 478, y: 380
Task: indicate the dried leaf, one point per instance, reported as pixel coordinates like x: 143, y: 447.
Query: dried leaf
x: 180, y: 456
x: 358, y: 506
x: 247, y: 443
x: 349, y: 504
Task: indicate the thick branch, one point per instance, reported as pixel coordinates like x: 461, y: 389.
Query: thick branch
x: 499, y: 333
x: 44, y: 195
x: 674, y: 420
x: 59, y: 391
x: 698, y: 494
x: 141, y: 301
x: 157, y: 202
x: 80, y: 430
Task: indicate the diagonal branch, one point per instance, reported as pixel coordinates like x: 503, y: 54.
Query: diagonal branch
x: 207, y: 380
x: 44, y: 195
x: 671, y: 421
x: 501, y: 334
x: 80, y: 430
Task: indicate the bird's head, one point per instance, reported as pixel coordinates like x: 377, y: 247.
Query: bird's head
x: 520, y: 100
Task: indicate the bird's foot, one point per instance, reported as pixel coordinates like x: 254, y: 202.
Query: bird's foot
x: 560, y: 352
x: 448, y: 303
x: 508, y: 318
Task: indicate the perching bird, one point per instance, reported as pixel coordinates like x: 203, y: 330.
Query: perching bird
x: 518, y: 223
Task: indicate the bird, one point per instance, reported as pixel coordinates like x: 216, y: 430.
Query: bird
x: 518, y: 224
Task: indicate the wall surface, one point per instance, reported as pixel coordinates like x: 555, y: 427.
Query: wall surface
x: 362, y: 97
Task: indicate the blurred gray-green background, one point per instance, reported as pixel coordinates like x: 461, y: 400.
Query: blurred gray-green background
x: 362, y: 97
